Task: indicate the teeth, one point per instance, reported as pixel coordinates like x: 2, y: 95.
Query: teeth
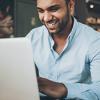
x: 52, y: 22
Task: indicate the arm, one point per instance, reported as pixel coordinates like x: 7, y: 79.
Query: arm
x: 76, y: 90
x: 88, y: 91
x: 72, y: 90
x: 81, y: 91
x: 52, y: 89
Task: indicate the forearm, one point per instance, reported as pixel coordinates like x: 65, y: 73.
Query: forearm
x: 52, y: 89
x: 83, y: 91
x: 73, y: 90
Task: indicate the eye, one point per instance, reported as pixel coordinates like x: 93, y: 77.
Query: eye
x: 54, y: 8
x: 40, y: 10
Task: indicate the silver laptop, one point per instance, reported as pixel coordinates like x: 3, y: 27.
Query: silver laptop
x: 17, y: 70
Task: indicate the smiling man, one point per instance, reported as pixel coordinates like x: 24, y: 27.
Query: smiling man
x: 66, y: 53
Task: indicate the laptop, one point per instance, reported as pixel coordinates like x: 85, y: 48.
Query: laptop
x: 17, y: 70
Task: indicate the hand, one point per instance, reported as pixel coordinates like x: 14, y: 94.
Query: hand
x: 52, y: 89
x: 6, y: 26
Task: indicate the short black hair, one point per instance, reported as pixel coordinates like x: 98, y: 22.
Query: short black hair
x: 67, y: 1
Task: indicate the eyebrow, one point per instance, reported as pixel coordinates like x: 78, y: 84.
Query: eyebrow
x: 49, y: 8
x: 54, y: 6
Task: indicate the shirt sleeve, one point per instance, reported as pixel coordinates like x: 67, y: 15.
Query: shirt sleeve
x: 30, y: 34
x: 83, y: 91
x: 91, y: 91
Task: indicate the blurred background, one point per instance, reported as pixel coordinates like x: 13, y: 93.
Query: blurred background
x: 18, y: 17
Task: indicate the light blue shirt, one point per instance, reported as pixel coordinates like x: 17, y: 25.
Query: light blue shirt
x: 77, y: 66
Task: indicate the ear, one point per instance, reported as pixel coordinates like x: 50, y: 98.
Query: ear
x: 71, y: 6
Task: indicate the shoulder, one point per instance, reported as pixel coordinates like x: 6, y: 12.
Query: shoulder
x: 90, y: 39
x: 88, y: 32
x: 36, y: 32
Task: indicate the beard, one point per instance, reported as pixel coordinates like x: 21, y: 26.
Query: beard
x: 58, y: 27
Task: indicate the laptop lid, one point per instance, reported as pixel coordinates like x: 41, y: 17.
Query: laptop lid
x: 17, y: 70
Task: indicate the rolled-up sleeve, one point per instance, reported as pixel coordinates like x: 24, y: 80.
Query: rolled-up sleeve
x: 90, y: 91
x: 83, y: 91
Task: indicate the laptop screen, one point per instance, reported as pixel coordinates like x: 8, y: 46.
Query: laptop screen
x: 17, y: 70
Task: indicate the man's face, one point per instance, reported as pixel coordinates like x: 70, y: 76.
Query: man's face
x: 54, y: 14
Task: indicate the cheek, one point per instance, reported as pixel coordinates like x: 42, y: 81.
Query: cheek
x: 58, y: 15
x: 61, y: 15
x: 40, y: 17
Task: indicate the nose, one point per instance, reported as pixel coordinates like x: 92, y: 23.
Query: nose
x: 47, y: 16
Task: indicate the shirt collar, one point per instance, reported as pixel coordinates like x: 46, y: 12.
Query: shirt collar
x: 74, y: 28
x: 71, y: 35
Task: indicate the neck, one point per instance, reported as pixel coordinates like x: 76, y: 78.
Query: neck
x: 63, y: 35
x: 60, y: 40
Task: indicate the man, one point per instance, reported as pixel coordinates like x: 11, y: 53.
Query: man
x: 66, y: 53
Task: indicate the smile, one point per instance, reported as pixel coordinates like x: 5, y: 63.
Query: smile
x: 51, y: 24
